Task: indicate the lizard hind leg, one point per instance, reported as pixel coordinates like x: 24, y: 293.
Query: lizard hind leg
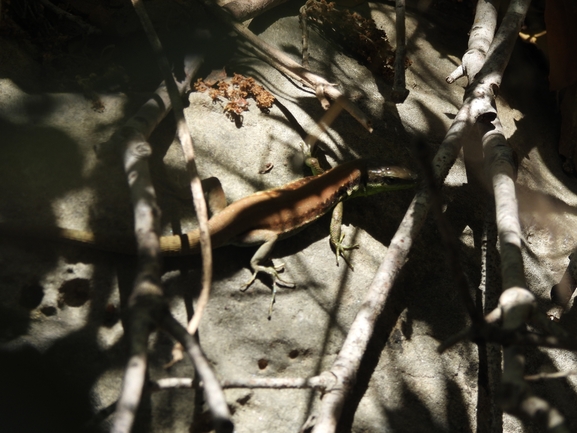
x: 273, y: 271
x: 268, y: 239
x: 278, y: 281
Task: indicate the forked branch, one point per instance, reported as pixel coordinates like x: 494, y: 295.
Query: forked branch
x: 147, y: 306
x: 348, y: 361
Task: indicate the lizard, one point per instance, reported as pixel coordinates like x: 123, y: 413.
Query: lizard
x: 262, y: 218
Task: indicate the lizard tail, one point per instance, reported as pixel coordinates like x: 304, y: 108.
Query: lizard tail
x: 121, y: 243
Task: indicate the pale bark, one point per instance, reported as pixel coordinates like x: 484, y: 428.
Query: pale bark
x: 147, y: 306
x: 316, y: 382
x: 243, y: 10
x: 476, y: 108
x: 346, y: 365
x: 480, y: 38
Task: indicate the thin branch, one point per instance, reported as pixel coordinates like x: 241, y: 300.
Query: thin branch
x: 323, y: 125
x: 147, y: 305
x: 449, y: 239
x: 214, y: 395
x: 146, y: 299
x: 185, y: 139
x: 169, y: 383
x: 535, y: 340
x: 347, y: 363
x: 505, y: 325
x: 501, y: 167
x: 517, y: 399
x: 547, y: 376
x: 132, y: 385
x: 146, y: 302
x: 480, y: 38
x: 491, y: 333
x: 517, y: 305
x: 316, y: 382
x: 498, y: 154
x: 321, y: 382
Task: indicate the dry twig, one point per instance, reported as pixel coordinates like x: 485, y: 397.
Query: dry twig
x: 517, y: 306
x: 480, y: 38
x: 148, y: 308
x: 221, y: 418
x: 473, y: 110
x: 449, y: 239
x: 146, y: 302
x: 555, y: 375
x: 316, y: 382
x: 185, y: 139
x: 348, y: 361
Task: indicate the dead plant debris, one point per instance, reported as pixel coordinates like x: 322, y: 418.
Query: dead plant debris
x: 356, y: 34
x: 235, y: 91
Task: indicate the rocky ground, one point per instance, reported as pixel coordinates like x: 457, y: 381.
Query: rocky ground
x: 62, y: 347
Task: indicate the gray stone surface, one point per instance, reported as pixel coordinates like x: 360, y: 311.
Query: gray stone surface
x: 62, y: 347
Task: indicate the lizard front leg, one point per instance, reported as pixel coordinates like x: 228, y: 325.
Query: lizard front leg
x: 337, y: 238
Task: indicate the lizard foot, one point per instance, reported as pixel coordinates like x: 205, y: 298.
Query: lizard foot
x: 274, y: 272
x: 340, y: 251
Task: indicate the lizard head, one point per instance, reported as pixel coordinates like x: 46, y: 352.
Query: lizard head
x: 388, y: 178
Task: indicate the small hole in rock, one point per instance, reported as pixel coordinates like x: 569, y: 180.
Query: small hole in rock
x: 111, y: 315
x: 262, y: 363
x: 243, y: 400
x: 75, y: 292
x: 31, y: 296
x: 293, y: 354
x: 49, y: 310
